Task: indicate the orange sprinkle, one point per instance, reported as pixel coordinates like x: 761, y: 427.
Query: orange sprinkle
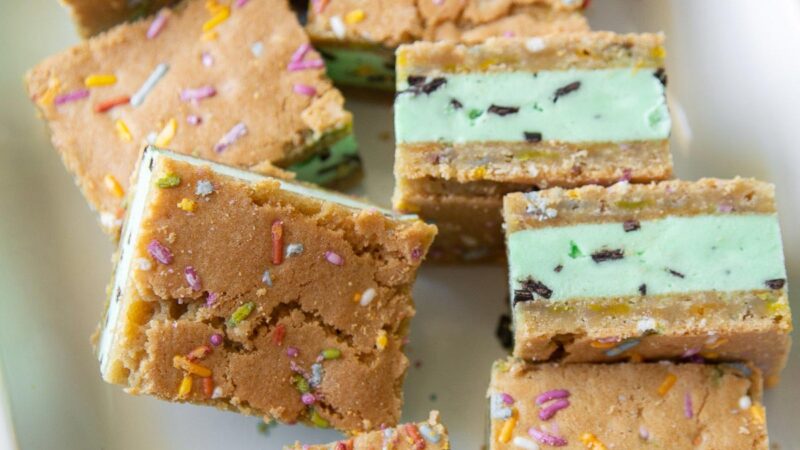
x: 591, y: 442
x: 279, y: 334
x: 110, y: 103
x: 208, y: 386
x: 277, y: 242
x: 113, y: 186
x: 603, y: 345
x: 182, y: 362
x: 667, y: 384
x: 186, y: 386
x: 198, y: 353
x: 357, y: 297
x: 508, y: 428
x: 221, y: 15
x: 413, y: 433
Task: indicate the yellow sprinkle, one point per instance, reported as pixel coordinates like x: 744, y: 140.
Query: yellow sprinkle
x: 402, y: 59
x: 166, y: 135
x: 508, y: 428
x: 667, y: 384
x: 186, y: 386
x: 479, y: 172
x: 210, y: 36
x: 382, y: 340
x: 100, y: 79
x: 187, y: 205
x: 122, y: 130
x: 183, y: 363
x: 758, y: 413
x: 220, y: 15
x: 354, y: 16
x: 659, y: 52
x: 591, y: 442
x: 573, y: 194
x: 49, y: 95
x: 113, y: 186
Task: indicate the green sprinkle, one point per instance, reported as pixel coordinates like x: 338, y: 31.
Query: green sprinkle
x: 240, y: 314
x: 474, y: 113
x: 318, y: 420
x: 169, y: 180
x: 574, y: 251
x: 301, y: 384
x: 331, y: 353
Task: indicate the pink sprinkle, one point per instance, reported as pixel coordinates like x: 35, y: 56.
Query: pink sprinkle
x: 308, y: 398
x: 687, y: 405
x: 235, y: 133
x: 438, y: 2
x: 216, y: 339
x: 319, y: 5
x: 334, y: 258
x: 609, y: 340
x: 198, y: 94
x: 212, y: 298
x: 300, y: 53
x: 416, y: 253
x: 508, y: 34
x: 194, y: 120
x: 507, y: 399
x: 305, y: 89
x: 305, y: 65
x: 725, y: 207
x: 547, y: 438
x: 71, y: 96
x: 157, y: 25
x: 690, y: 352
x: 545, y: 397
x: 207, y: 59
x: 159, y: 252
x: 192, y: 278
x: 547, y: 412
x: 626, y: 175
x: 292, y: 352
x: 240, y: 3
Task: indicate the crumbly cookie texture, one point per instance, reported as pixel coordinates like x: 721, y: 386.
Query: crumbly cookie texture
x: 192, y: 79
x: 676, y: 269
x: 260, y: 296
x: 95, y: 16
x: 600, y: 406
x: 428, y: 435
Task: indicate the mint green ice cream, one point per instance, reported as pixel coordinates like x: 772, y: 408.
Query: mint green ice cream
x: 359, y: 67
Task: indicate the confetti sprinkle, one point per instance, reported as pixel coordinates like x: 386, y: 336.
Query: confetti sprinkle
x: 688, y: 409
x: 167, y: 133
x: 216, y: 339
x: 208, y: 387
x: 643, y: 433
x: 317, y: 420
x: 192, y: 278
x: 354, y: 16
x: 306, y: 65
x: 331, y: 353
x: 554, y: 394
x: 204, y: 188
x: 526, y: 444
x: 508, y: 428
x: 338, y: 27
x: 241, y: 3
x: 234, y: 134
x: 300, y: 53
x: 48, y: 96
x: 546, y: 438
x: 221, y: 15
x: 382, y: 340
x: 138, y: 98
x: 193, y: 119
x: 195, y: 95
x: 428, y: 433
x: 368, y: 296
x: 547, y: 412
x: 308, y: 398
x: 257, y: 48
x: 113, y: 186
x: 292, y: 352
x: 207, y: 59
x: 305, y: 89
x: 199, y: 352
x: 334, y: 258
x: 212, y: 298
x: 157, y: 24
x: 266, y: 278
x: 100, y: 79
x: 277, y: 242
x: 170, y: 180
x: 159, y: 252
x: 111, y: 103
x: 623, y: 347
x: 294, y: 249
x: 667, y: 384
x: 319, y: 5
x: 241, y: 314
x: 591, y: 442
x: 279, y: 334
x: 185, y: 387
x: 183, y: 363
x: 122, y: 130
x: 71, y: 96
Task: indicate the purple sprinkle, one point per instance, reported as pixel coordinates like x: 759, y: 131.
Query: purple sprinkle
x: 207, y: 59
x: 235, y: 133
x: 212, y: 298
x: 334, y: 258
x: 725, y: 207
x: 71, y: 96
x: 192, y: 278
x: 305, y: 65
x: 550, y: 410
x: 292, y: 352
x: 507, y: 399
x: 305, y: 89
x: 240, y: 3
x: 687, y: 405
x: 545, y: 397
x: 300, y: 53
x: 198, y: 94
x: 159, y: 252
x: 194, y: 119
x: 416, y: 253
x: 547, y: 438
x: 216, y: 339
x: 308, y: 398
x: 626, y: 175
x: 690, y: 352
x: 157, y: 25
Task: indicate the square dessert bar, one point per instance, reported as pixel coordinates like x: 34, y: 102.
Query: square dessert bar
x: 626, y: 406
x: 428, y: 435
x: 675, y: 269
x: 358, y: 38
x: 238, y: 84
x: 473, y: 123
x: 257, y: 295
x: 95, y: 16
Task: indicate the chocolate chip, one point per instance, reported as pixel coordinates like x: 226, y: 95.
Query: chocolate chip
x: 532, y: 136
x: 777, y: 283
x: 661, y: 75
x: 607, y: 255
x: 537, y: 287
x: 564, y: 90
x: 433, y: 85
x: 503, y: 332
x: 456, y: 104
x: 417, y: 85
x: 522, y: 295
x: 675, y: 273
x: 631, y: 225
x: 503, y: 110
x: 558, y: 268
x: 643, y: 289
x: 415, y: 80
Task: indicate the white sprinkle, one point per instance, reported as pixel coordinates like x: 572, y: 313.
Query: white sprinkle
x: 151, y: 137
x: 367, y: 296
x: 745, y: 402
x: 294, y: 250
x: 538, y: 207
x: 338, y: 28
x: 266, y: 278
x: 143, y: 264
x: 570, y: 2
x: 204, y: 188
x: 498, y: 408
x: 149, y: 84
x: 645, y: 325
x: 109, y: 220
x: 643, y: 433
x: 428, y: 433
x: 527, y: 444
x: 216, y: 393
x: 535, y: 44
x: 207, y: 59
x: 257, y: 49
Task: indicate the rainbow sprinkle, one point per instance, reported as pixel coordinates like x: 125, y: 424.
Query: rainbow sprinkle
x: 305, y: 89
x: 277, y: 242
x: 159, y: 252
x: 591, y: 442
x: 194, y: 119
x: 207, y: 59
x: 186, y: 386
x: 306, y: 65
x: 241, y: 314
x: 100, y: 79
x: 546, y: 438
x: 167, y: 133
x: 234, y: 134
x: 547, y: 412
x: 216, y: 339
x: 545, y: 397
x: 71, y: 96
x: 183, y: 363
x: 111, y: 103
x: 334, y: 258
x: 149, y: 84
x: 300, y: 53
x: 198, y: 94
x: 192, y: 278
x: 367, y: 296
x: 688, y: 408
x: 123, y: 131
x: 331, y: 353
x: 221, y: 15
x: 113, y: 186
x: 170, y: 180
x: 157, y: 24
x: 354, y: 16
x: 526, y: 444
x: 382, y: 340
x: 667, y: 384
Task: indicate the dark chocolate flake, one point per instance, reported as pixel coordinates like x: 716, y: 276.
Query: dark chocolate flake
x: 532, y: 136
x: 558, y: 268
x: 503, y: 110
x: 433, y: 85
x: 643, y: 289
x: 456, y: 104
x: 631, y: 225
x: 661, y: 75
x: 564, y: 90
x: 537, y: 287
x: 522, y: 295
x: 675, y: 273
x: 776, y: 284
x: 607, y: 255
x: 415, y: 80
